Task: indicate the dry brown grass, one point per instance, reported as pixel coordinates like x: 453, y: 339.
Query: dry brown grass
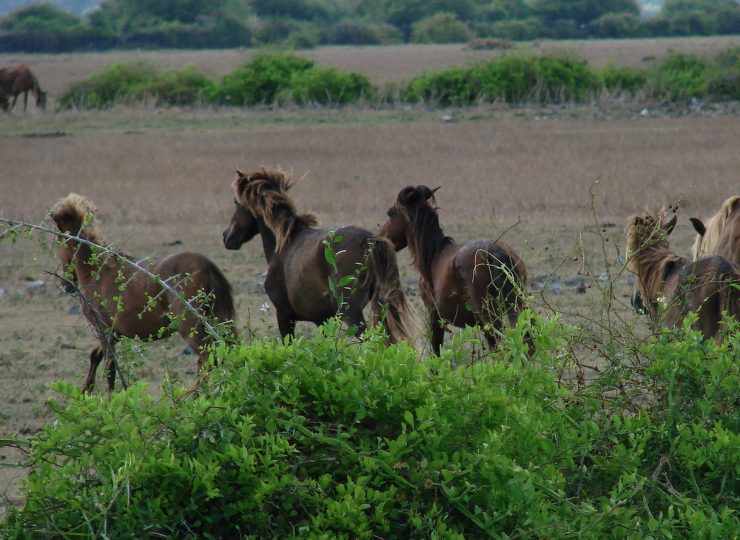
x: 382, y: 64
x: 159, y: 176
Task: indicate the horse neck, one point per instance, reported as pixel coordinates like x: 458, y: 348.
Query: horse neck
x: 86, y: 270
x: 426, y: 241
x: 268, y: 239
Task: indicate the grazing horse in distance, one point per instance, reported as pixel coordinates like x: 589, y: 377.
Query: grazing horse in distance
x: 668, y: 287
x: 120, y: 300
x: 20, y: 80
x: 300, y: 274
x: 479, y: 282
x: 721, y: 234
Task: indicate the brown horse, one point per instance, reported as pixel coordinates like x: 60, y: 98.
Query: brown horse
x: 20, y: 80
x: 119, y: 300
x: 480, y: 282
x: 668, y: 287
x: 721, y: 234
x: 300, y: 272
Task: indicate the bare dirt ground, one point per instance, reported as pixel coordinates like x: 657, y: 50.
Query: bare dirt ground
x: 162, y: 177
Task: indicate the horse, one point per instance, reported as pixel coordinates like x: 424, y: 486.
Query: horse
x: 721, y: 234
x: 17, y: 80
x: 313, y: 273
x: 668, y: 287
x: 478, y: 282
x: 119, y: 300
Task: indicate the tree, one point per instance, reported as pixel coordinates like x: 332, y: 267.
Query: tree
x: 40, y: 18
x: 582, y: 11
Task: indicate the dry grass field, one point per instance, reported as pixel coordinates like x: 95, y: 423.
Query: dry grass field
x: 161, y: 177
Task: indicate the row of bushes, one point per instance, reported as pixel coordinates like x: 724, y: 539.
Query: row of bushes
x: 546, y: 79
x: 515, y: 78
x: 322, y: 438
x: 271, y: 79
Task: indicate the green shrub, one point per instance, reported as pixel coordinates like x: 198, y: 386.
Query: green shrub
x: 681, y: 76
x: 279, y: 78
x: 325, y: 438
x: 514, y: 78
x: 260, y: 80
x: 629, y: 80
x: 441, y: 28
x: 127, y: 83
x: 726, y: 83
x: 119, y: 83
x: 328, y: 86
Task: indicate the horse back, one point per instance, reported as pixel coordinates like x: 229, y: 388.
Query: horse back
x: 299, y: 274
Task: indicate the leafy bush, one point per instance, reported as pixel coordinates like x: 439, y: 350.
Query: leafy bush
x: 277, y: 78
x: 328, y: 86
x: 629, y: 80
x: 260, y: 80
x: 325, y: 438
x: 681, y: 76
x: 127, y: 83
x: 441, y: 28
x: 514, y: 78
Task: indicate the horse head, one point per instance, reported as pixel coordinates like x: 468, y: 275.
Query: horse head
x: 399, y: 215
x: 643, y: 233
x: 242, y: 227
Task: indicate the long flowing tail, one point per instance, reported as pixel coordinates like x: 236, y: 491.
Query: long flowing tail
x: 388, y: 299
x: 221, y: 308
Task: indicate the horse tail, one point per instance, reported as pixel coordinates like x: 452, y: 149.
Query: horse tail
x: 221, y: 308
x: 37, y: 91
x: 729, y: 299
x: 388, y: 298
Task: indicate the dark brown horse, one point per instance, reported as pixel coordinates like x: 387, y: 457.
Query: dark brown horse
x: 721, y: 234
x: 668, y: 287
x: 119, y: 300
x: 480, y: 282
x: 20, y: 80
x: 300, y: 273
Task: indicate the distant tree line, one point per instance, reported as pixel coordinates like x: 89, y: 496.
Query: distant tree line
x: 309, y: 23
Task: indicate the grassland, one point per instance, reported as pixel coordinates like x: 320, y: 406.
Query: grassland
x: 161, y: 179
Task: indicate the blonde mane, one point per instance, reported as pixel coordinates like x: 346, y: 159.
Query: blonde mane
x: 82, y: 212
x: 264, y: 193
x: 707, y: 243
x: 648, y: 252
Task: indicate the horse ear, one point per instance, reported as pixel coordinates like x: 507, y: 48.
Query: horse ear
x: 426, y: 192
x: 240, y: 183
x: 670, y: 225
x: 698, y: 225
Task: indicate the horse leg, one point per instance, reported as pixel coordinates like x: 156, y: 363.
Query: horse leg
x: 437, y: 331
x: 286, y: 323
x: 95, y: 357
x: 111, y: 370
x: 25, y: 101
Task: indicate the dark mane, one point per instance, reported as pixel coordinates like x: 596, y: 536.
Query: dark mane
x: 428, y: 239
x: 264, y: 192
